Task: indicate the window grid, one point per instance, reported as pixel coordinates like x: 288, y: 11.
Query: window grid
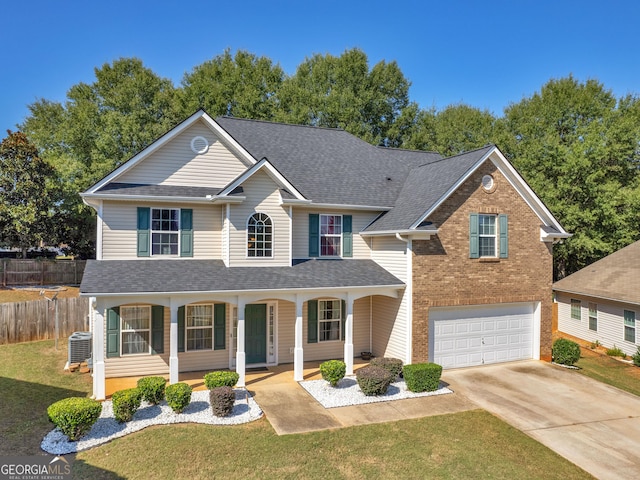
x: 199, y: 325
x: 165, y: 227
x: 593, y: 317
x: 576, y: 306
x: 259, y: 236
x: 330, y: 235
x: 487, y: 235
x: 135, y: 330
x: 630, y: 326
x: 329, y: 320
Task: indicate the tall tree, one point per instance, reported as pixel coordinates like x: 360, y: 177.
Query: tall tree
x: 28, y: 195
x: 577, y: 145
x: 343, y: 92
x: 243, y: 85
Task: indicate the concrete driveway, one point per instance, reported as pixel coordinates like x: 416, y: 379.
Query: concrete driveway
x: 593, y: 425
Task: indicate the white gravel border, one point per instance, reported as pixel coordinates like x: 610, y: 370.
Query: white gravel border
x: 245, y: 409
x: 347, y: 392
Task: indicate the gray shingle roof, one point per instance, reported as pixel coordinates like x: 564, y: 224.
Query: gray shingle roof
x: 179, y: 275
x: 116, y: 188
x: 424, y: 186
x: 328, y: 165
x: 615, y: 277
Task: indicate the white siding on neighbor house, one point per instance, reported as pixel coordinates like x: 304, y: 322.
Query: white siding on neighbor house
x: 390, y: 254
x: 301, y: 230
x: 262, y: 195
x: 389, y: 327
x: 119, y: 231
x: 610, y: 331
x: 176, y: 164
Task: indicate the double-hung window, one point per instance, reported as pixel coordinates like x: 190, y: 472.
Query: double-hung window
x: 330, y: 235
x: 136, y: 329
x: 576, y: 306
x: 593, y: 317
x: 487, y: 235
x: 630, y: 326
x: 259, y: 236
x: 199, y: 324
x: 165, y: 231
x: 329, y: 320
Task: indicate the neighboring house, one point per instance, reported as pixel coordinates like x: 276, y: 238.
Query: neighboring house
x: 601, y: 302
x: 230, y: 243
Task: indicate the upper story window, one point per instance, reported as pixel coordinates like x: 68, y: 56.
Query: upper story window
x: 165, y: 229
x: 330, y: 235
x: 135, y: 330
x: 487, y: 235
x: 259, y: 236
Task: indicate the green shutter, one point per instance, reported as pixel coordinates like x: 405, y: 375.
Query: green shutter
x: 347, y: 236
x: 344, y: 320
x: 181, y: 329
x: 504, y: 235
x: 157, y: 329
x: 186, y: 232
x: 113, y: 332
x: 314, y: 235
x: 144, y: 231
x: 312, y: 320
x: 474, y: 244
x: 219, y: 326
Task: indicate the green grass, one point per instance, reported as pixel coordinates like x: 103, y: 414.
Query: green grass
x: 472, y: 444
x: 609, y: 370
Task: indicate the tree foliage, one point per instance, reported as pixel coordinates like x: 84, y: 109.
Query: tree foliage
x: 28, y: 194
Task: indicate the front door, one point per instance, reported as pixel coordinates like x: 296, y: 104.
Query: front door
x: 255, y: 333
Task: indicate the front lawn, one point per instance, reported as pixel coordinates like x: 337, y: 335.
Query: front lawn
x: 608, y: 370
x: 472, y: 444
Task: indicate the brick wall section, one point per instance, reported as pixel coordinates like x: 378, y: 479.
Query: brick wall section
x: 444, y: 275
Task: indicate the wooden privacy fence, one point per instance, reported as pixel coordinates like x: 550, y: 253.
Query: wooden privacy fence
x: 31, y: 321
x: 41, y: 272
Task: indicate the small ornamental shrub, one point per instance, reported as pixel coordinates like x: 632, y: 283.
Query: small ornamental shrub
x: 422, y: 377
x: 636, y: 358
x: 222, y: 399
x: 333, y: 371
x: 178, y: 396
x: 616, y: 352
x: 393, y: 365
x: 221, y: 379
x: 152, y: 389
x: 373, y: 380
x: 565, y: 351
x: 125, y: 403
x: 74, y: 416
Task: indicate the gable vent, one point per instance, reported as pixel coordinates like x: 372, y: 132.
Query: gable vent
x: 199, y: 145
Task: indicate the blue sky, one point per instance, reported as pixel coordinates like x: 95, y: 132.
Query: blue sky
x: 484, y: 53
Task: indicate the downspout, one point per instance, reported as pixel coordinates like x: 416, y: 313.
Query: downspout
x: 409, y: 294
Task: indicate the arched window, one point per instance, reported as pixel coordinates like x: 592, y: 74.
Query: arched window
x: 259, y: 236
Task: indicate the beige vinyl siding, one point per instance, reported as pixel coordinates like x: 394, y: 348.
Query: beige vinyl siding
x: 176, y: 164
x: 610, y: 321
x: 389, y: 327
x: 390, y: 254
x: 262, y: 195
x: 301, y: 230
x: 119, y: 231
x: 286, y: 331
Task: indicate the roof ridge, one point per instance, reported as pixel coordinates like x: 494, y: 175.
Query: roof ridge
x: 271, y: 122
x: 382, y: 147
x: 454, y: 156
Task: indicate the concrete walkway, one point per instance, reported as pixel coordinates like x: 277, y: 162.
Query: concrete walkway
x: 290, y: 409
x: 593, y: 425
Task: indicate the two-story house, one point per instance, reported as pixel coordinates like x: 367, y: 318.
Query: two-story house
x: 231, y: 243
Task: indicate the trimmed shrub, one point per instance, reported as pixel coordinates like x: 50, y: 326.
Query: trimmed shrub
x: 221, y: 379
x: 125, y: 403
x: 422, y: 377
x: 393, y: 365
x: 636, y: 358
x: 565, y: 352
x: 178, y: 396
x: 373, y: 380
x: 333, y: 371
x: 152, y: 389
x: 222, y: 399
x: 74, y: 416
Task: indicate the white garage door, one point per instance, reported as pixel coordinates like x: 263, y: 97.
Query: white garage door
x: 478, y: 335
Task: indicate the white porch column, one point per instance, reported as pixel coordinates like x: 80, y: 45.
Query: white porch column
x: 173, y: 344
x: 98, y: 356
x: 348, y: 336
x: 298, y: 352
x: 241, y: 361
